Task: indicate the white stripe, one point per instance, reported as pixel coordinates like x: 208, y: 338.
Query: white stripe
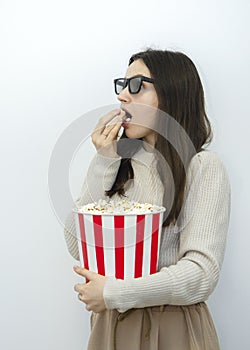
x: 147, y: 245
x: 108, y: 244
x: 79, y: 242
x: 90, y: 239
x: 129, y: 245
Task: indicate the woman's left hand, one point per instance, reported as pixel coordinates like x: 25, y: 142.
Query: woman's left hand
x: 91, y: 293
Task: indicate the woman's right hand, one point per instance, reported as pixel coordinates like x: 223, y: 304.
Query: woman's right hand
x: 104, y: 137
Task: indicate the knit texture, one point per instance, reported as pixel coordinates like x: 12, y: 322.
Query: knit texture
x: 191, y: 251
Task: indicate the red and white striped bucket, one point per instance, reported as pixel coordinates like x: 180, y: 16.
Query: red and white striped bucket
x: 123, y: 246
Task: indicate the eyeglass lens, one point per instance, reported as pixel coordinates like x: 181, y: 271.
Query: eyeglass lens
x: 134, y: 85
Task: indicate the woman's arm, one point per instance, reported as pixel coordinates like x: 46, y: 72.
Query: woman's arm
x: 101, y: 173
x: 100, y: 177
x: 202, y: 244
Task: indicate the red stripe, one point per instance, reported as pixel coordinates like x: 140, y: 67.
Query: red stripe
x: 119, y: 246
x: 154, y: 243
x: 140, y: 224
x: 83, y: 242
x: 97, y: 221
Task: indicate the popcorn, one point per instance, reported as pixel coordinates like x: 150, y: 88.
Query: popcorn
x: 119, y: 207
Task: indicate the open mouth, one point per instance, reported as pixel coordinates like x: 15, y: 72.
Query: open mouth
x: 127, y: 117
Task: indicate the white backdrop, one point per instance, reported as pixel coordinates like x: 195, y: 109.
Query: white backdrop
x: 57, y: 62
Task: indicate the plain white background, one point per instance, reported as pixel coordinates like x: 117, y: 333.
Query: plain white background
x: 57, y: 62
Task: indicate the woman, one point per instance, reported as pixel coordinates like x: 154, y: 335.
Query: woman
x: 166, y: 310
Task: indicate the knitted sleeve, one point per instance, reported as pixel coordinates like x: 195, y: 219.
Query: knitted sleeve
x: 202, y: 243
x: 100, y: 177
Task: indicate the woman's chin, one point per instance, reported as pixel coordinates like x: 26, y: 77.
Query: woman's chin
x: 130, y: 134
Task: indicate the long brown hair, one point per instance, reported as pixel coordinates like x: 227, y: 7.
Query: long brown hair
x: 180, y: 94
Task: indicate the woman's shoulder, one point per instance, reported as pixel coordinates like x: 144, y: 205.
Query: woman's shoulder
x: 207, y: 158
x: 207, y: 163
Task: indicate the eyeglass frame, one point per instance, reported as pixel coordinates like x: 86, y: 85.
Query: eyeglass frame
x: 127, y: 83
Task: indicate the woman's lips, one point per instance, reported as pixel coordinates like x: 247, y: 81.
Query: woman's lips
x: 126, y: 122
x: 126, y: 119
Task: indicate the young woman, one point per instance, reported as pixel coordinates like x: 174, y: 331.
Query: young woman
x: 154, y: 163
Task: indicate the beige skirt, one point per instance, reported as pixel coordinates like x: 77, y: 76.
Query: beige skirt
x: 154, y: 328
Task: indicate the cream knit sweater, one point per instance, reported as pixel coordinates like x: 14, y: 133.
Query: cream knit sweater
x: 191, y: 253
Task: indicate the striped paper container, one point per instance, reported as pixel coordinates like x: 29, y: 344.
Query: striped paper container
x: 123, y: 246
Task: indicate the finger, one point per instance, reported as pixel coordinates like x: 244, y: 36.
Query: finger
x: 116, y: 119
x: 88, y: 307
x: 84, y: 272
x: 81, y: 297
x: 113, y: 133
x: 110, y: 116
x: 102, y: 128
x: 106, y: 119
x: 112, y: 127
x: 106, y: 130
x: 79, y: 287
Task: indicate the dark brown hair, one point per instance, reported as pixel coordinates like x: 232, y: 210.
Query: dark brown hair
x: 180, y: 94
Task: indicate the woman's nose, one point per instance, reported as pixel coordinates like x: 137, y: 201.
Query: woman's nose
x: 124, y: 95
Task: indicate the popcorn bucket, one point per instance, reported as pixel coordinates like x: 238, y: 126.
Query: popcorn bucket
x: 123, y: 246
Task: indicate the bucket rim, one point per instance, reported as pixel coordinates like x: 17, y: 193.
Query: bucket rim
x: 161, y: 210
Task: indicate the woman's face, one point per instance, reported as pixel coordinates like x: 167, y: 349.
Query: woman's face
x: 142, y: 118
